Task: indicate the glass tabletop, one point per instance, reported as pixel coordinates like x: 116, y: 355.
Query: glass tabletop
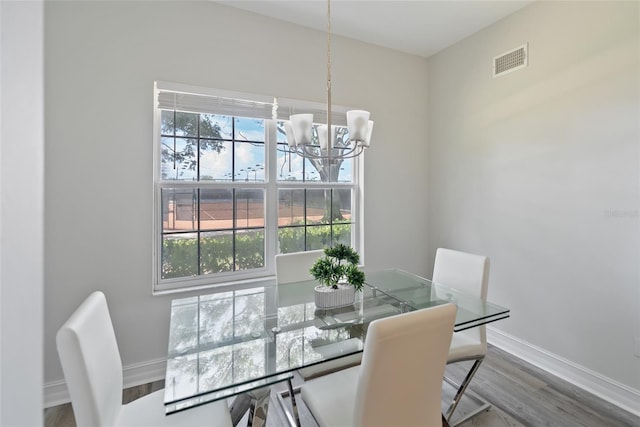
x: 227, y: 343
x: 417, y: 292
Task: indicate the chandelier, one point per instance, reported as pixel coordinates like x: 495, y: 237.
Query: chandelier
x: 299, y: 130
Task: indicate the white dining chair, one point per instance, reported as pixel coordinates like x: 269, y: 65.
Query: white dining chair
x: 294, y: 267
x: 399, y: 382
x: 468, y: 273
x: 92, y: 368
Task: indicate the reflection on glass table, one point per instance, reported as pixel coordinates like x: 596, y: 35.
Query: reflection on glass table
x: 228, y: 343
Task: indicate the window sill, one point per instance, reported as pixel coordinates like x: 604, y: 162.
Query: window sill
x: 220, y: 287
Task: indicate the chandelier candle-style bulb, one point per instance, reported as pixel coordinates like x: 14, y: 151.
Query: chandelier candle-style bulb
x: 323, y: 136
x: 302, y: 128
x: 367, y: 140
x: 357, y: 123
x: 288, y: 130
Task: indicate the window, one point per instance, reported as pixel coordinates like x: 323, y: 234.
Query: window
x: 228, y: 193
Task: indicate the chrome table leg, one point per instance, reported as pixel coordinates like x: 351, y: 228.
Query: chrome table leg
x: 259, y: 407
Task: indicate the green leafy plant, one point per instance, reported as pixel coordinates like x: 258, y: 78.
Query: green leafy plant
x: 338, y: 265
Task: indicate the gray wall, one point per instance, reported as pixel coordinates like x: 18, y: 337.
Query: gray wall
x: 101, y: 60
x: 21, y: 212
x: 539, y: 169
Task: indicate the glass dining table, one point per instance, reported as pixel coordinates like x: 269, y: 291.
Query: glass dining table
x: 240, y: 342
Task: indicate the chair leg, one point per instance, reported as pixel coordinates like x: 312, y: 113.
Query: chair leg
x: 294, y: 406
x: 461, y: 389
x: 292, y: 416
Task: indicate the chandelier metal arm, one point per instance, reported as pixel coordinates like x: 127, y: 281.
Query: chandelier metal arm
x: 305, y: 151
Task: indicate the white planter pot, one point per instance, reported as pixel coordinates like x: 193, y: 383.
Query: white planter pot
x: 327, y: 297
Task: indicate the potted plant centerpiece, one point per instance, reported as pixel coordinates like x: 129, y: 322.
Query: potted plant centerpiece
x: 339, y: 276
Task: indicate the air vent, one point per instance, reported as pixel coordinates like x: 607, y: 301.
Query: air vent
x: 511, y: 61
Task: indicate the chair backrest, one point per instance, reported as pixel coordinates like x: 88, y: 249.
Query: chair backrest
x: 91, y: 363
x: 466, y: 272
x: 295, y: 266
x: 403, y: 364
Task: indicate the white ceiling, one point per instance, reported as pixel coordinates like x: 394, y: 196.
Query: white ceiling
x: 419, y: 27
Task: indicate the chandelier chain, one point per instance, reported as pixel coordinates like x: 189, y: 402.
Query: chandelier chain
x: 329, y: 132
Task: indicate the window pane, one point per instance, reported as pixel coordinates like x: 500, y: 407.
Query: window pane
x: 341, y: 205
x: 289, y: 165
x: 167, y: 160
x: 318, y: 206
x: 216, y: 160
x: 216, y: 209
x: 249, y: 161
x: 209, y: 127
x: 178, y: 209
x: 250, y: 250
x: 216, y: 252
x: 249, y: 208
x: 179, y: 255
x: 281, y: 136
x: 290, y: 207
x: 318, y: 237
x: 167, y: 122
x: 339, y: 171
x: 179, y: 158
x: 216, y: 126
x: 291, y: 239
x: 311, y: 171
x: 249, y: 129
x: 186, y: 124
x: 341, y: 234
x: 345, y: 172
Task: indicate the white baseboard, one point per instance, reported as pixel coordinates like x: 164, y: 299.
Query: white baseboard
x: 625, y: 397
x: 143, y: 373
x: 56, y: 392
x: 605, y: 388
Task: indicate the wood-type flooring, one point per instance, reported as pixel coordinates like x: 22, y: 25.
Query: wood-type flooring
x: 520, y: 394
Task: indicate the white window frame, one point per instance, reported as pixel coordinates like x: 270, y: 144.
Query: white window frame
x: 271, y: 188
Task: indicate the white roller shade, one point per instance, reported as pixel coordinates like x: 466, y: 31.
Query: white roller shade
x: 184, y: 98
x: 175, y: 96
x: 287, y: 107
